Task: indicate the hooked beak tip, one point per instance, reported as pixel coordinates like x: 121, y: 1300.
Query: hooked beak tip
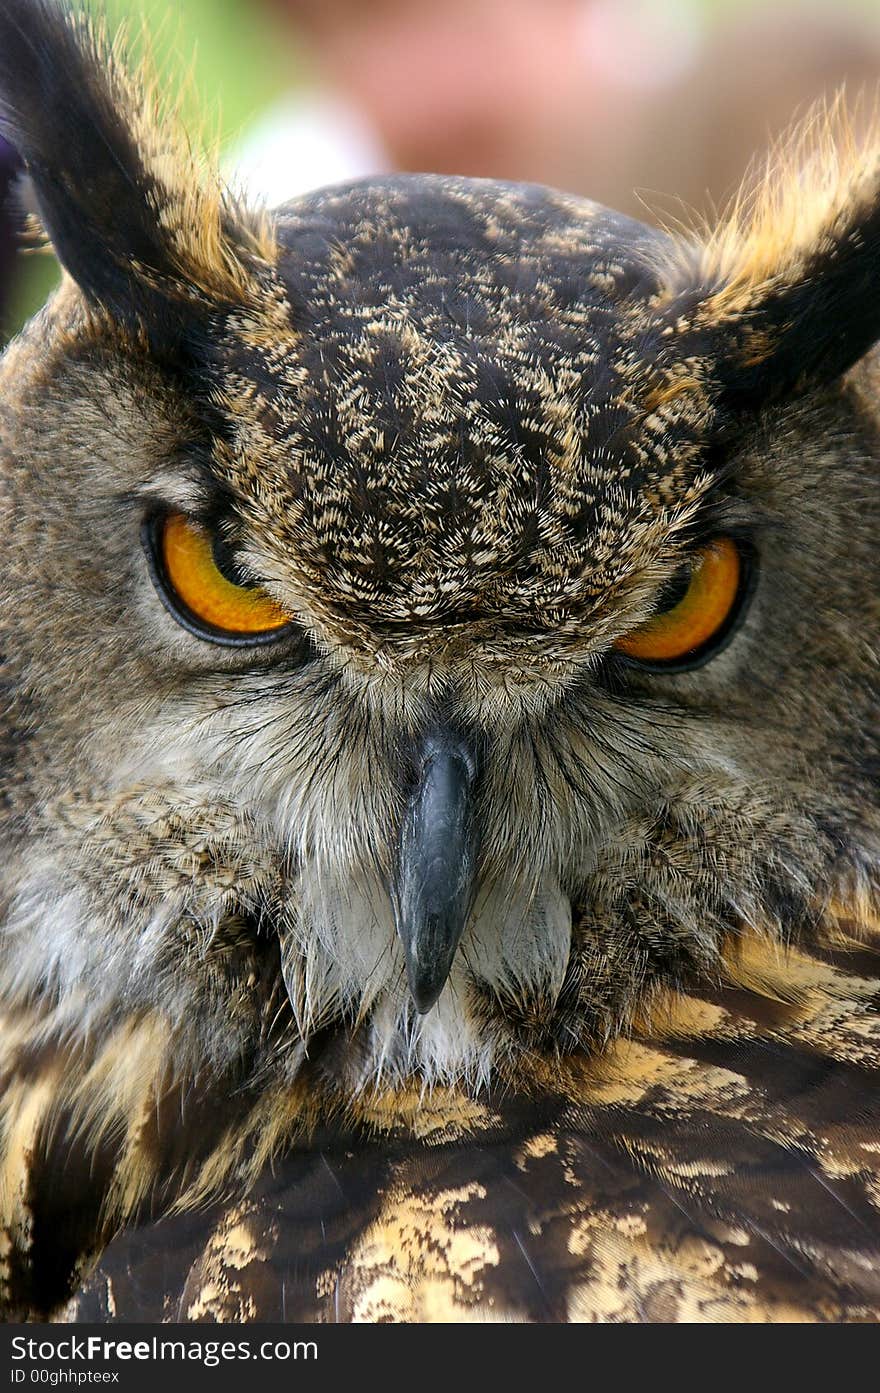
x: 427, y: 981
x: 424, y: 1000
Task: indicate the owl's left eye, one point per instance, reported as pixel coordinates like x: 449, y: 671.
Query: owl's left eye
x: 196, y: 577
x: 700, y: 615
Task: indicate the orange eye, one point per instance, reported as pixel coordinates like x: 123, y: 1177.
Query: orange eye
x: 701, y: 617
x: 199, y: 594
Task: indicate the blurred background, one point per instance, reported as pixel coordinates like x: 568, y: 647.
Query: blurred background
x: 649, y: 106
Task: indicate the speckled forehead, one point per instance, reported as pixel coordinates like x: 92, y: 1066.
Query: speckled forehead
x: 457, y: 388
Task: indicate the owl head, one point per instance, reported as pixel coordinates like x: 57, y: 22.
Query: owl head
x: 438, y: 615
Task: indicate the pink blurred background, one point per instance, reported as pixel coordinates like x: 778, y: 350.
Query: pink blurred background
x: 646, y: 106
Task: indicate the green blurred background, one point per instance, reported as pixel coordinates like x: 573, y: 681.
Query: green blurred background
x: 227, y: 56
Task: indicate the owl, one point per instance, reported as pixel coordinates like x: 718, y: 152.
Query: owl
x: 440, y: 843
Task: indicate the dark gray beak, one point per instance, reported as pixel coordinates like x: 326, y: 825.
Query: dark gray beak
x: 435, y: 874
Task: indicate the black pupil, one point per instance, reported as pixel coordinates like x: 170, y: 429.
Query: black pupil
x: 674, y: 590
x: 226, y: 562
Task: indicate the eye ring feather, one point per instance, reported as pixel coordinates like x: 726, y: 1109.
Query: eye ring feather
x: 703, y: 619
x: 183, y: 563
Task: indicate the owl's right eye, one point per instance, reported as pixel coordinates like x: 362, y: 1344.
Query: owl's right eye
x: 199, y: 584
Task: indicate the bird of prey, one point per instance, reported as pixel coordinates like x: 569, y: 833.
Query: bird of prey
x: 439, y: 753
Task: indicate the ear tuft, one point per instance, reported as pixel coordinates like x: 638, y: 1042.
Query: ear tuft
x: 788, y: 283
x: 132, y: 214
